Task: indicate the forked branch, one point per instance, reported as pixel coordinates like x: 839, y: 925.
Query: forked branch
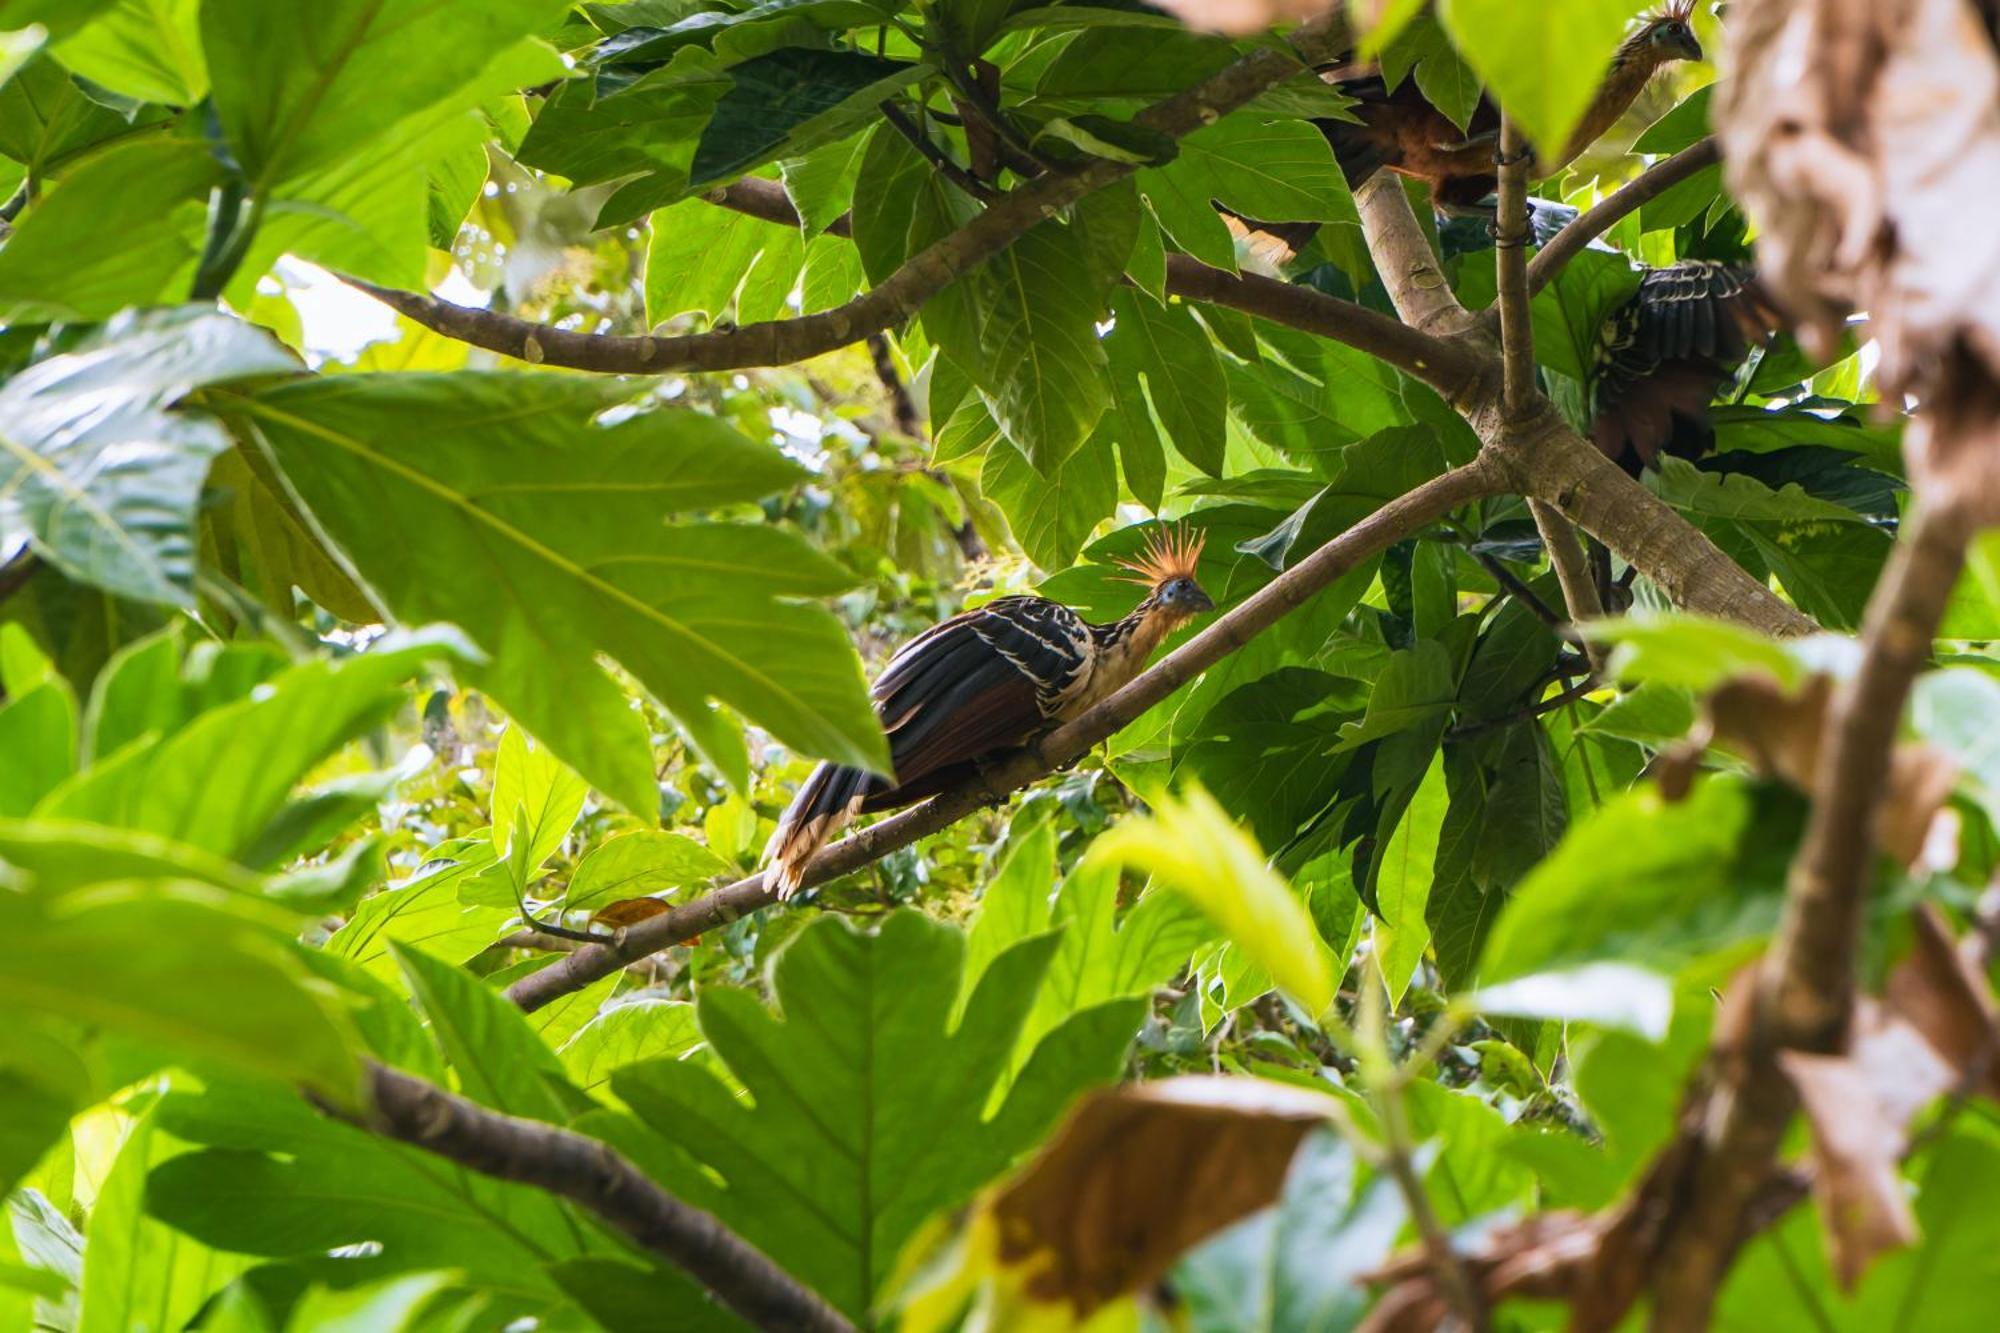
x: 1648, y: 185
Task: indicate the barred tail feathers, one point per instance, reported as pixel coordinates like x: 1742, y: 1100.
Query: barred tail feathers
x: 827, y: 801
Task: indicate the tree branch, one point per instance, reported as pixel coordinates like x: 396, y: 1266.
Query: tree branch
x: 1572, y: 572
x: 902, y: 293
x: 939, y: 159
x: 1510, y: 262
x: 589, y: 1172
x: 1396, y: 520
x: 1804, y: 993
x: 1649, y: 184
x: 1552, y: 463
x: 1418, y: 288
x: 1432, y: 360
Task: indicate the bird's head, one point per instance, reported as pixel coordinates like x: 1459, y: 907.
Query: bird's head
x: 1167, y: 569
x: 1669, y: 34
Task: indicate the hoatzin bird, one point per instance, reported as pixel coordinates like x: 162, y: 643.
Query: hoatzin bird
x: 1401, y: 131
x: 1662, y: 355
x: 985, y: 682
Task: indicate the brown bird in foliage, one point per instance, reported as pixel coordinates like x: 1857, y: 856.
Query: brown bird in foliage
x: 985, y: 682
x: 1401, y: 131
x: 1662, y: 356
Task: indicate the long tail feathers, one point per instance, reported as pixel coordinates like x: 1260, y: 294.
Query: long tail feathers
x: 830, y: 798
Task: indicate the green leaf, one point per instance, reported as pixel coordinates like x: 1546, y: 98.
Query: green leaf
x: 647, y: 130
x: 1612, y: 995
x: 298, y: 87
x: 1277, y: 171
x: 1543, y: 72
x: 571, y: 557
x: 64, y: 855
x: 535, y: 793
x: 1299, y: 1265
x: 250, y: 753
x: 59, y: 17
x: 1402, y: 875
x: 790, y: 101
x: 123, y: 229
x: 1637, y: 881
x: 701, y: 256
x: 821, y: 183
x: 1953, y: 710
x: 1015, y: 903
x: 96, y: 473
x: 625, y: 1034
x: 1683, y: 127
x: 144, y: 49
x: 46, y: 118
x: 1183, y: 376
x: 38, y: 734
x: 1691, y: 652
x: 1192, y: 847
x: 1052, y: 515
x: 425, y: 911
x: 199, y: 980
x: 499, y: 1060
x: 139, y: 1273
x: 279, y: 1178
x: 865, y: 1115
x: 647, y: 863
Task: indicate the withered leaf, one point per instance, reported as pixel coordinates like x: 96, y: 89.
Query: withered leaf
x: 1857, y: 133
x: 1780, y: 732
x: 1138, y: 1174
x: 628, y: 911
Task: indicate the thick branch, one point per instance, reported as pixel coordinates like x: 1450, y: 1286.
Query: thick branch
x: 1651, y: 183
x: 582, y: 1169
x: 1417, y: 286
x: 1396, y: 520
x: 1805, y: 987
x: 1552, y: 463
x: 902, y: 293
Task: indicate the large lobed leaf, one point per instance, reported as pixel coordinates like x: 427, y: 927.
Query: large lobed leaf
x: 492, y: 501
x: 867, y: 1114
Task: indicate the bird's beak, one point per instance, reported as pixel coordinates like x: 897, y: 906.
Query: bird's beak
x: 1200, y: 602
x: 1691, y: 48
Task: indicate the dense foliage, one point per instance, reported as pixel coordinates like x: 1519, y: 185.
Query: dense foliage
x: 337, y: 685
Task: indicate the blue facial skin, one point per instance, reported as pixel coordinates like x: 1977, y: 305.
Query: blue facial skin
x: 1678, y: 39
x: 1184, y: 594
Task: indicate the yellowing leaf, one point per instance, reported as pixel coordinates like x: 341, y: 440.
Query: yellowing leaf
x: 1194, y: 848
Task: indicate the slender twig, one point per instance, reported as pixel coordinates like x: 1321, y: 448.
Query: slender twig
x: 1650, y: 184
x: 1510, y: 260
x: 1396, y: 520
x: 1572, y: 569
x: 902, y: 293
x: 936, y: 156
x: 591, y: 1173
x: 1511, y: 583
x: 1535, y: 710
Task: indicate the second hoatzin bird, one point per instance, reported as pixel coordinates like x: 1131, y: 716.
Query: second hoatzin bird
x: 1401, y: 131
x: 985, y: 682
x: 1662, y: 355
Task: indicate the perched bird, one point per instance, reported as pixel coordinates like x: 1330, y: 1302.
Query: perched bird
x: 1401, y: 131
x: 985, y: 682
x: 1662, y: 355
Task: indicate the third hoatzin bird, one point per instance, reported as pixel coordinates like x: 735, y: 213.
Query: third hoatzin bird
x: 1402, y: 132
x: 983, y: 683
x: 1662, y: 355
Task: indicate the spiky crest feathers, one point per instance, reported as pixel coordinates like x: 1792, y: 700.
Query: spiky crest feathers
x: 1171, y: 553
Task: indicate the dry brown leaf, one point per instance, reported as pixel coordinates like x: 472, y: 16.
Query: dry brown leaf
x: 628, y: 911
x: 1933, y: 1032
x: 1863, y: 137
x: 1240, y: 17
x: 1780, y: 734
x: 1138, y: 1174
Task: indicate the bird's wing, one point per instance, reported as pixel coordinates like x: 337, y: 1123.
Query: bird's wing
x: 1663, y: 354
x: 979, y: 683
